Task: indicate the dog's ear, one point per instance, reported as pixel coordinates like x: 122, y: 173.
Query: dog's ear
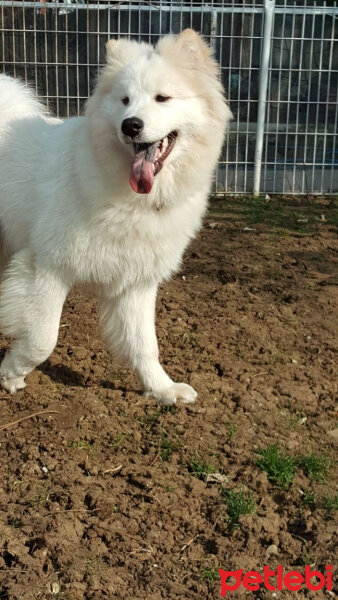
x: 112, y: 51
x: 111, y: 44
x: 121, y: 52
x: 192, y: 47
x: 188, y: 49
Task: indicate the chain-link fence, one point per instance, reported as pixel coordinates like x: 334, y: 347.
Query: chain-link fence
x: 283, y: 136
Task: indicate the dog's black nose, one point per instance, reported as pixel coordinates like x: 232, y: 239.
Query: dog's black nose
x: 132, y: 127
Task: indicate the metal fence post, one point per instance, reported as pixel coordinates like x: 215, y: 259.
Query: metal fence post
x: 269, y: 7
x: 213, y: 29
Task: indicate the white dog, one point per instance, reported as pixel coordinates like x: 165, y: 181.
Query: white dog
x: 110, y: 199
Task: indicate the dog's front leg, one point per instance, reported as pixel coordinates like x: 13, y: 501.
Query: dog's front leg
x: 129, y: 327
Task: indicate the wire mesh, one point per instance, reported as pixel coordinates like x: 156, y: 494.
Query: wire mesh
x: 59, y: 47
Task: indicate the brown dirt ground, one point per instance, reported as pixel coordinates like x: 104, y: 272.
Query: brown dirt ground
x: 97, y: 499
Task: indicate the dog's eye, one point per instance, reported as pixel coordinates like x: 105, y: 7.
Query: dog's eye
x: 125, y: 100
x: 160, y: 98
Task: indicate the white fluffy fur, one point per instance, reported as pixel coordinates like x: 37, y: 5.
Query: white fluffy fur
x: 69, y: 215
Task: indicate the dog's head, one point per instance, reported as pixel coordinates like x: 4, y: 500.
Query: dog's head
x: 163, y: 105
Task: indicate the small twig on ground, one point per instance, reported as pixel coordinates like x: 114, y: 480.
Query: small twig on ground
x: 36, y: 414
x: 148, y: 551
x: 259, y: 374
x: 113, y: 471
x: 189, y: 543
x: 154, y: 497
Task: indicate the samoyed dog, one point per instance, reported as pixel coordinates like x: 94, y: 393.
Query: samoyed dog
x: 110, y: 199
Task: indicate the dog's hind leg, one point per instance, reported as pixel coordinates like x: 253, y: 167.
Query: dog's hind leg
x: 30, y: 309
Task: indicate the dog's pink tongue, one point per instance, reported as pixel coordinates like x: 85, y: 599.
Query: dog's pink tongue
x: 142, y: 170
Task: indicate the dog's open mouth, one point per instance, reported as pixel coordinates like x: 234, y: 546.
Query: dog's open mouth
x: 148, y: 161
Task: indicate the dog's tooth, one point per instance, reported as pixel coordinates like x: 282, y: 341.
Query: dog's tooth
x: 164, y: 144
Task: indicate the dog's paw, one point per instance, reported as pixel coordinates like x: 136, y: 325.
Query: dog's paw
x: 177, y: 392
x: 12, y: 384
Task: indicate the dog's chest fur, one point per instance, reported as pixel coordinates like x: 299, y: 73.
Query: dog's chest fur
x: 122, y: 247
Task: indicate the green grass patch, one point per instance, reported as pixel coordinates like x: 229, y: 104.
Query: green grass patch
x: 296, y: 420
x: 231, y: 428
x: 209, y: 575
x: 330, y: 504
x: 327, y: 503
x: 171, y: 409
x: 118, y: 441
x: 238, y: 504
x: 316, y: 466
x: 200, y: 469
x: 309, y: 499
x: 41, y: 499
x: 94, y: 565
x: 167, y: 447
x: 284, y: 218
x: 281, y: 217
x: 279, y: 466
x: 82, y: 445
x: 150, y: 421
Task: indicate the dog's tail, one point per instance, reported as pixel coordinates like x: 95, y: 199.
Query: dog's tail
x: 17, y: 100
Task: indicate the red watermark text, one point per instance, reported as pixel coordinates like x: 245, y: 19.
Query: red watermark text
x: 290, y: 580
